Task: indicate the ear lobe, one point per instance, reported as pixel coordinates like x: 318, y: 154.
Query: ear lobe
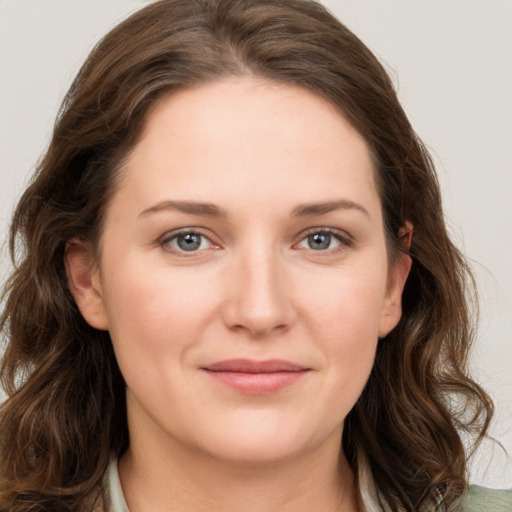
x: 392, y: 308
x: 85, y: 283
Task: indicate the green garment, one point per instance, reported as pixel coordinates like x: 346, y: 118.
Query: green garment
x: 481, y: 499
x: 478, y: 499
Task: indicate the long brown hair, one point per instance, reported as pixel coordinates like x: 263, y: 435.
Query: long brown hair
x: 65, y: 415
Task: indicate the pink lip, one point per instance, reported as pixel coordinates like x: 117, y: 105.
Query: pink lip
x: 256, y: 377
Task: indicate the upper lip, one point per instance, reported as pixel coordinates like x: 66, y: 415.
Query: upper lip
x: 252, y: 366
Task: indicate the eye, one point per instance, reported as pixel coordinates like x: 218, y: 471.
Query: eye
x: 187, y: 241
x: 324, y: 240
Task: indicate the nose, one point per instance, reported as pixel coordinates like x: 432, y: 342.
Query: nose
x: 259, y: 294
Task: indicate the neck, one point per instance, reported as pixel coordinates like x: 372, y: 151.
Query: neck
x: 159, y: 473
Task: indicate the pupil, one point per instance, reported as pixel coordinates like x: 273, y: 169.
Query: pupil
x: 319, y: 241
x: 189, y: 242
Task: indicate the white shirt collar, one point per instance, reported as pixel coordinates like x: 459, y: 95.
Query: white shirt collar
x: 115, y: 491
x: 369, y: 494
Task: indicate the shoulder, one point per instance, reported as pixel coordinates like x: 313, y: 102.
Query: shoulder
x: 482, y: 499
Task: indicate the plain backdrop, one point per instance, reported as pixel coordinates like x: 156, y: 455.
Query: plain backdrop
x: 451, y: 61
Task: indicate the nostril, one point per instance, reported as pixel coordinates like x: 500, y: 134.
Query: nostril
x: 258, y: 298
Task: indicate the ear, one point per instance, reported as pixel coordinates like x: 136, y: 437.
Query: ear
x: 398, y: 273
x: 85, y: 283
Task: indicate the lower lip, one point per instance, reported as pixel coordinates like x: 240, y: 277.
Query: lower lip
x: 257, y: 383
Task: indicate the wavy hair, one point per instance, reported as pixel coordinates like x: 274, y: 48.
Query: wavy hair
x: 65, y: 415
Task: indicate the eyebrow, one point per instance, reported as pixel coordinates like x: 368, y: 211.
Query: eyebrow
x: 212, y: 210
x: 313, y: 209
x: 203, y: 209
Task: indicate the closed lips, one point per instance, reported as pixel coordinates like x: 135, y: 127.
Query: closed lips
x: 256, y: 377
x: 250, y: 366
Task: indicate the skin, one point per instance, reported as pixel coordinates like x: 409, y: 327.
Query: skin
x: 257, y: 287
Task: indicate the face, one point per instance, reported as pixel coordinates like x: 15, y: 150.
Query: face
x: 243, y: 273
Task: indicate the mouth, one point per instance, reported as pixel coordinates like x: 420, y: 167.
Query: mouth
x: 256, y: 377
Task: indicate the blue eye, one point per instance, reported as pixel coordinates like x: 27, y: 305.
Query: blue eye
x: 319, y: 241
x: 190, y: 241
x: 323, y: 240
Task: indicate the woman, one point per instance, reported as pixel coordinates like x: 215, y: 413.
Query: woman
x: 237, y: 291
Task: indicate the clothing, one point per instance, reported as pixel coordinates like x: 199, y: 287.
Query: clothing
x: 115, y: 491
x: 478, y: 499
x: 481, y: 499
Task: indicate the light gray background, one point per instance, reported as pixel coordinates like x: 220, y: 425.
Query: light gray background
x: 452, y: 63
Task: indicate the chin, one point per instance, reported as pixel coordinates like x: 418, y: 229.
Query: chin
x: 260, y: 444
x: 255, y: 454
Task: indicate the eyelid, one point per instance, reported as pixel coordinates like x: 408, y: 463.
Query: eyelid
x: 345, y: 239
x: 341, y: 235
x: 164, y: 240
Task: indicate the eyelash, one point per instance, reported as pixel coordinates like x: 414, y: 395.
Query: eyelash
x: 168, y: 238
x: 344, y: 239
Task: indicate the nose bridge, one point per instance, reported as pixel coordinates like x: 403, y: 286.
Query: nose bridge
x: 259, y: 301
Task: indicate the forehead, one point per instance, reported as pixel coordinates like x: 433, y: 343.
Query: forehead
x: 259, y: 137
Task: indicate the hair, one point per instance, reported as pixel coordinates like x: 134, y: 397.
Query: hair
x: 65, y: 415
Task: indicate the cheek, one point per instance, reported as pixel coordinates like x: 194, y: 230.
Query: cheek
x: 347, y: 302
x: 156, y: 319
x: 155, y: 312
x: 342, y: 313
